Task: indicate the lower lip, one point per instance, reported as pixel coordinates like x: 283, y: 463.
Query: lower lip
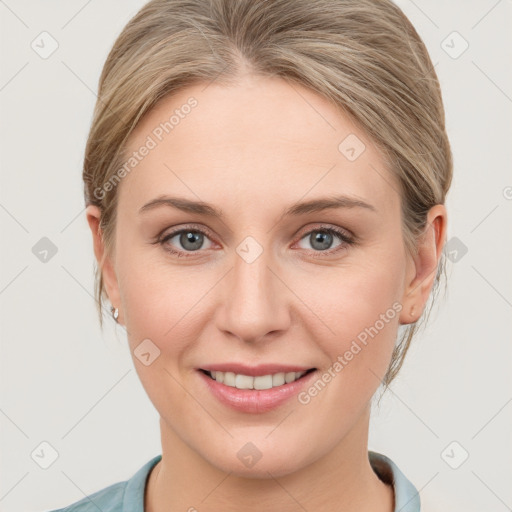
x: 252, y: 400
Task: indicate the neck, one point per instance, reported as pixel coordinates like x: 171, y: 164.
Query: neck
x: 340, y: 480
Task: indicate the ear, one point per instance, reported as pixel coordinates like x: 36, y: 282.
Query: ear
x: 105, y: 262
x: 422, y: 267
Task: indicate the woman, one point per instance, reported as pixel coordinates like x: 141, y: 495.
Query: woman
x: 265, y: 185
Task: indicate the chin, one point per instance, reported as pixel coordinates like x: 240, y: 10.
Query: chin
x: 262, y: 470
x: 258, y: 460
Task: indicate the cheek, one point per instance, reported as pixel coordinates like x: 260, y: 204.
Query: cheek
x: 362, y: 309
x: 160, y: 301
x: 361, y: 305
x: 355, y: 295
x: 158, y: 306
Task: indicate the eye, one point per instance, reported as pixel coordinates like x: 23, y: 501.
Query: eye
x: 186, y: 240
x: 322, y: 238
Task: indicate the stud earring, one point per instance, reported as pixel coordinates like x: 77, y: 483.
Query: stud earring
x: 115, y: 313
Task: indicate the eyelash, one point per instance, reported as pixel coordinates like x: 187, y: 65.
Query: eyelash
x: 344, y: 237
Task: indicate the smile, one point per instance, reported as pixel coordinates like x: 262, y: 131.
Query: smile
x: 240, y: 381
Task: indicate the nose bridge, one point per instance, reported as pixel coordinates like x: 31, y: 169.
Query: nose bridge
x: 254, y: 302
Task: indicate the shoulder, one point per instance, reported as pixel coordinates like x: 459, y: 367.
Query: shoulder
x: 407, y: 497
x: 109, y: 499
x: 126, y: 496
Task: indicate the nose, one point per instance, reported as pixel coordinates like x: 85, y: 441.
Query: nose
x: 255, y: 303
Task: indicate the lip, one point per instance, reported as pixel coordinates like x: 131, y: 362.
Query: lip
x: 251, y: 400
x: 254, y: 371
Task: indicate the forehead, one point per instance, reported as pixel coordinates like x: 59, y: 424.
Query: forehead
x: 263, y: 140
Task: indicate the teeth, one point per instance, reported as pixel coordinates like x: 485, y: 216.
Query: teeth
x: 289, y: 377
x: 240, y: 381
x: 263, y: 382
x: 278, y: 379
x: 229, y: 379
x: 244, y: 382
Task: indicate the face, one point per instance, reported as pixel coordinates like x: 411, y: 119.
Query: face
x: 271, y: 285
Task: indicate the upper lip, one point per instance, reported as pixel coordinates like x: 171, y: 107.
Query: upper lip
x: 255, y: 371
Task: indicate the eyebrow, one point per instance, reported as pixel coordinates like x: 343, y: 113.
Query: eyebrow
x: 314, y: 205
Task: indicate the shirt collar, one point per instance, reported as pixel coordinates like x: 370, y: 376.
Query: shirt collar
x: 133, y: 498
x: 407, y: 498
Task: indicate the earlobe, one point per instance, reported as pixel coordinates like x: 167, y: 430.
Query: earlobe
x: 105, y: 263
x: 424, y: 265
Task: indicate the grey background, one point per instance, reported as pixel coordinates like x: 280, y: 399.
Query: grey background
x: 65, y: 382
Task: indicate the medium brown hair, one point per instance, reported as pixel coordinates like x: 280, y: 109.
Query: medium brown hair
x: 362, y: 55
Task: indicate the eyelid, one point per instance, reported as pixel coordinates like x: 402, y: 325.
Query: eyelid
x: 328, y: 227
x: 162, y: 238
x: 187, y: 227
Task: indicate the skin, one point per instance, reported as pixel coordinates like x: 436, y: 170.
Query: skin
x: 254, y: 149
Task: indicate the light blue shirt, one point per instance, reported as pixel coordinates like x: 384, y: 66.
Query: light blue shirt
x: 128, y: 496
